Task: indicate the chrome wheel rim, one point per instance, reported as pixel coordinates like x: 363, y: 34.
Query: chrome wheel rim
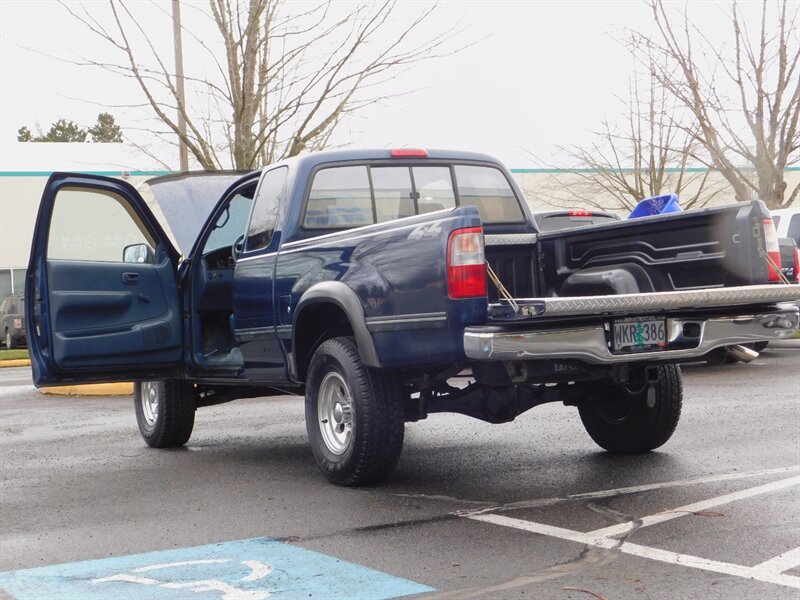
x: 335, y: 413
x: 149, y: 400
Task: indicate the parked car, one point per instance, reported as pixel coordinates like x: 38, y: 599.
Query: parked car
x: 12, y: 321
x: 790, y: 259
x: 366, y: 280
x: 554, y: 220
x: 787, y: 223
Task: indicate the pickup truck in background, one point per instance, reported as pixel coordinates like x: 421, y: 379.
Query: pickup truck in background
x: 12, y: 321
x: 367, y: 280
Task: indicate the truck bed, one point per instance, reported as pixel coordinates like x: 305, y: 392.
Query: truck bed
x: 711, y: 248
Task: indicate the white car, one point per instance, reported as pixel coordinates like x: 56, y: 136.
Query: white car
x: 787, y: 223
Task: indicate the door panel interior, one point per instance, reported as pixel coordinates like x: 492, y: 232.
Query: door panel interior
x: 105, y: 314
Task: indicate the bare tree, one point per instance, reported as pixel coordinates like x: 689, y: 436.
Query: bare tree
x: 284, y: 80
x: 649, y: 155
x: 744, y: 95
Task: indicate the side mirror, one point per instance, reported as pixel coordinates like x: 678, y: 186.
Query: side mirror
x: 138, y: 253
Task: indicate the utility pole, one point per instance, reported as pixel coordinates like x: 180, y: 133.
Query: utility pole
x: 176, y: 32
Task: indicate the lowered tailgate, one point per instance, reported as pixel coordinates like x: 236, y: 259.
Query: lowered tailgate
x: 634, y: 327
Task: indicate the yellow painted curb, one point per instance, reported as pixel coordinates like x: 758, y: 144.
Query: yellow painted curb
x: 91, y: 389
x: 15, y: 362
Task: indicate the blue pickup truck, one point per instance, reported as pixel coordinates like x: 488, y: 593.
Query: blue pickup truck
x: 369, y: 280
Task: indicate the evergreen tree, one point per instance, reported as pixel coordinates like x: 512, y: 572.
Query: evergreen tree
x: 63, y: 131
x: 24, y: 134
x: 106, y: 130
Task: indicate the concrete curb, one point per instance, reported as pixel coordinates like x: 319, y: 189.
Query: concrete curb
x: 90, y: 389
x: 15, y: 362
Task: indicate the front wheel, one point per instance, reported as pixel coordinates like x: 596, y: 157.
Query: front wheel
x: 629, y: 418
x: 354, y: 415
x: 164, y: 412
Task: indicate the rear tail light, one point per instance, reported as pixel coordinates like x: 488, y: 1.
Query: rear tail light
x: 466, y: 267
x: 773, y: 251
x: 796, y: 264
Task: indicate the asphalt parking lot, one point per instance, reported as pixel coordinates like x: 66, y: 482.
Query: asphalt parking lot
x: 530, y: 509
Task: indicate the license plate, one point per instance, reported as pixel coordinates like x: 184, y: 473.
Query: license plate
x: 639, y: 334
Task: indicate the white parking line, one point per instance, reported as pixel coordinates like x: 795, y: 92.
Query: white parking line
x: 770, y: 571
x: 759, y: 573
x: 704, y: 564
x: 682, y: 511
x: 8, y: 390
x: 782, y: 562
x: 635, y: 489
x: 542, y: 529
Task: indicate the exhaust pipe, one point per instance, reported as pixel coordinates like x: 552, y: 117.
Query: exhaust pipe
x: 742, y: 353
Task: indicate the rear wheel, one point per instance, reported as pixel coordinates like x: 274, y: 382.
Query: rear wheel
x: 10, y: 343
x: 354, y: 415
x: 164, y: 412
x: 628, y: 419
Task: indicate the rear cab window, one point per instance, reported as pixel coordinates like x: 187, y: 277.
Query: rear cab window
x: 346, y: 196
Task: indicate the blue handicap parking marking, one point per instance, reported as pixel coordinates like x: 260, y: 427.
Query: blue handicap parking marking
x: 252, y: 569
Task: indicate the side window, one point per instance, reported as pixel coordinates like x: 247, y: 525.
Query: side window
x: 394, y: 197
x: 339, y: 197
x: 434, y: 187
x: 265, y: 210
x: 95, y: 225
x: 488, y: 189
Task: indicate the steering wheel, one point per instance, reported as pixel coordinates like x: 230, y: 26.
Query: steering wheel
x: 238, y: 246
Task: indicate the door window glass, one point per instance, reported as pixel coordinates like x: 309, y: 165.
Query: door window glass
x: 265, y: 211
x: 232, y: 223
x: 340, y: 197
x: 488, y: 189
x: 393, y: 193
x: 434, y: 187
x: 95, y: 225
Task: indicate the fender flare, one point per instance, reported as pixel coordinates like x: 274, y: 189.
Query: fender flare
x: 339, y: 294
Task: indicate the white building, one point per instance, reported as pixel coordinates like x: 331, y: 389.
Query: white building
x: 23, y: 175
x: 24, y: 172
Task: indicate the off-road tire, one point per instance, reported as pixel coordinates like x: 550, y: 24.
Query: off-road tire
x: 374, y: 400
x: 170, y: 423
x: 621, y: 421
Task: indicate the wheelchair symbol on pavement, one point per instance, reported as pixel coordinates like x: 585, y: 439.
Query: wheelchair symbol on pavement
x: 258, y: 570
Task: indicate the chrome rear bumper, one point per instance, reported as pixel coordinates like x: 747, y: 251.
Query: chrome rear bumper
x: 592, y: 343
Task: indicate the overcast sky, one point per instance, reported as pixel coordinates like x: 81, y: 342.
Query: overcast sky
x: 538, y: 74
